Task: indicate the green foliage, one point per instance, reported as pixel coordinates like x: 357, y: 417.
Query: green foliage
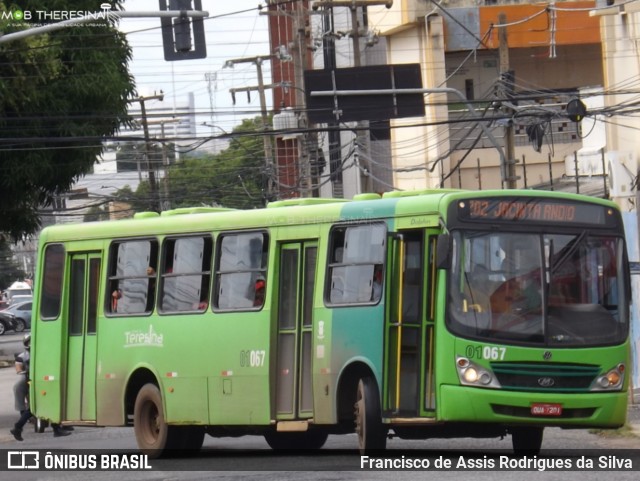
x: 233, y: 178
x: 96, y: 213
x: 60, y: 94
x: 140, y: 200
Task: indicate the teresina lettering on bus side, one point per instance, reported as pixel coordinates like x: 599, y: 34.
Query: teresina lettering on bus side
x: 142, y: 338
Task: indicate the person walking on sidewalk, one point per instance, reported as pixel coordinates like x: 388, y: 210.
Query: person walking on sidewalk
x: 21, y: 393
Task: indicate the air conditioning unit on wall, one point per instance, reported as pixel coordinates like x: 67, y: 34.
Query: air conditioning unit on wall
x: 587, y: 161
x: 623, y: 170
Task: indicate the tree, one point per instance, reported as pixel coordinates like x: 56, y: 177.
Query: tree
x: 96, y: 213
x: 61, y: 93
x: 233, y: 178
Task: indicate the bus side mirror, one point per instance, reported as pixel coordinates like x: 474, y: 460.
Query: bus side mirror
x: 443, y: 251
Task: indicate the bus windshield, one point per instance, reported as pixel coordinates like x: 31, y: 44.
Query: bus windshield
x: 558, y: 290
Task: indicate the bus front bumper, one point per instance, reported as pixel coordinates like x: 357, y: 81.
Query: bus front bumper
x: 468, y: 404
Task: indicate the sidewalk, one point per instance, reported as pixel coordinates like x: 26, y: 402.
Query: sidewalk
x: 6, y: 359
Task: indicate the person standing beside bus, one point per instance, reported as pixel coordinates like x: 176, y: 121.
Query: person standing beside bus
x: 21, y: 394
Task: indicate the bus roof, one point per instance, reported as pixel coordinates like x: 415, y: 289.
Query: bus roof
x: 290, y: 212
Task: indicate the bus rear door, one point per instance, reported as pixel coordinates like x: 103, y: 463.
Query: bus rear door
x: 80, y: 373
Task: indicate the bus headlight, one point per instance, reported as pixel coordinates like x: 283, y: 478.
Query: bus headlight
x: 612, y: 380
x: 471, y: 374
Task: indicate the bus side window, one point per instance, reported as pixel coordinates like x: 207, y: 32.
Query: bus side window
x: 187, y: 274
x: 241, y: 263
x: 356, y: 264
x: 52, y: 281
x: 132, y: 266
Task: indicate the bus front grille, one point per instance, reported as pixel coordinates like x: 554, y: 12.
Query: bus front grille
x: 545, y: 377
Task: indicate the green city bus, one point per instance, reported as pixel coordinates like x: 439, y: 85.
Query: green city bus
x: 441, y: 313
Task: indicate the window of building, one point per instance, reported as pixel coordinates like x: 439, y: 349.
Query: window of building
x: 356, y: 264
x: 241, y: 271
x: 132, y: 276
x: 186, y: 274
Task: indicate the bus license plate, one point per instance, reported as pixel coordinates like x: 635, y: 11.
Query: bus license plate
x: 546, y: 409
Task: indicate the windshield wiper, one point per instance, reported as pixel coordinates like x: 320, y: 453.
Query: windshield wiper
x: 569, y: 252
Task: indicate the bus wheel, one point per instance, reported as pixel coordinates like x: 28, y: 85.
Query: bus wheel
x: 527, y: 440
x: 153, y: 435
x: 371, y: 432
x: 309, y: 440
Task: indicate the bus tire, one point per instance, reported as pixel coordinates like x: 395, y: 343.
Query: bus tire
x: 308, y: 440
x: 527, y: 439
x: 153, y: 435
x: 372, y: 434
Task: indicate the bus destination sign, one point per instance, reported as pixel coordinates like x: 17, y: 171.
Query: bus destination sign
x: 524, y: 209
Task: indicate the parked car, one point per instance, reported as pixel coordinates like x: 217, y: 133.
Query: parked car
x: 7, y: 322
x: 19, y: 299
x: 22, y: 313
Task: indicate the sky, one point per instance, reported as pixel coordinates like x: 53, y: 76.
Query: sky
x: 234, y: 29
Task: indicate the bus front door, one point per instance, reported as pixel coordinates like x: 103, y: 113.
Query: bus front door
x: 294, y: 396
x: 408, y: 380
x: 80, y: 373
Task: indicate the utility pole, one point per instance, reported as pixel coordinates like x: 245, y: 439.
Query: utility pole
x: 153, y: 187
x: 507, y: 76
x: 362, y: 138
x: 292, y: 45
x: 268, y: 149
x: 165, y: 201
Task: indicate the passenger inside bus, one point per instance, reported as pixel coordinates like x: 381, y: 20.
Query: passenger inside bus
x: 376, y: 286
x: 151, y: 288
x: 116, y: 295
x: 520, y: 292
x: 260, y: 288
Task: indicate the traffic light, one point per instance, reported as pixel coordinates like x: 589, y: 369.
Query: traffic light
x: 183, y: 36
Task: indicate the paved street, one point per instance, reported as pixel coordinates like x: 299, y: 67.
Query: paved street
x: 226, y: 457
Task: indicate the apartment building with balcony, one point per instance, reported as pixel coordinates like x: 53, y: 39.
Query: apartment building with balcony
x: 550, y: 53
